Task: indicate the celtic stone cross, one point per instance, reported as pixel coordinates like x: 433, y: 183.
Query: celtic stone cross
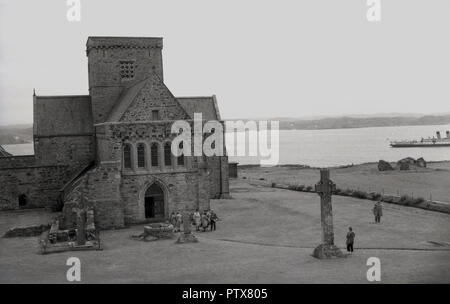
x: 325, y: 188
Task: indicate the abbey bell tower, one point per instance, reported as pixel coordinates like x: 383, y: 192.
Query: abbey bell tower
x: 116, y: 63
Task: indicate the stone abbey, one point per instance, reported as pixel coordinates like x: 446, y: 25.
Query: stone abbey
x: 110, y: 150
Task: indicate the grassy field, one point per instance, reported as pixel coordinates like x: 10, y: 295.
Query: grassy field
x: 422, y: 182
x: 265, y: 235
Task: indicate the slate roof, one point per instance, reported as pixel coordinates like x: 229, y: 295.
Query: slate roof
x: 3, y: 152
x: 62, y: 115
x: 206, y: 105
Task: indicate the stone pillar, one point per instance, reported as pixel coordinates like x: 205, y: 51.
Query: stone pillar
x: 224, y: 177
x: 325, y: 188
x: 187, y: 236
x: 81, y: 228
x: 203, y: 185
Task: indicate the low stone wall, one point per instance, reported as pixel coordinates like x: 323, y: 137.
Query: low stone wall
x: 26, y: 231
x: 153, y: 232
x: 390, y: 199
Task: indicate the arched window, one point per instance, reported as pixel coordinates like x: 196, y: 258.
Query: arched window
x: 180, y: 159
x: 154, y: 152
x: 127, y: 156
x: 167, y: 154
x: 141, y: 156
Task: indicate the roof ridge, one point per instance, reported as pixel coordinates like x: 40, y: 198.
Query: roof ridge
x: 191, y: 97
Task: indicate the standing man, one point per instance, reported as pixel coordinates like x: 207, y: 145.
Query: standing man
x: 205, y: 221
x: 350, y: 240
x: 378, y: 211
x: 213, y: 220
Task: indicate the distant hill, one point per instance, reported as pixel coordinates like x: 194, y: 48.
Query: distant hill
x: 346, y: 122
x: 19, y: 134
x: 16, y: 134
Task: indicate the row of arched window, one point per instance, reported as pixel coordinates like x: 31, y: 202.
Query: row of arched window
x: 156, y: 157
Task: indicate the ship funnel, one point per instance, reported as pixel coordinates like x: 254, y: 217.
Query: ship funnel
x: 448, y: 134
x: 438, y: 135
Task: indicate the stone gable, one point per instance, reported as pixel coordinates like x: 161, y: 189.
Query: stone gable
x: 154, y: 96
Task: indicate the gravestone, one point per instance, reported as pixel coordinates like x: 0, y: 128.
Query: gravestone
x: 187, y: 236
x: 81, y: 228
x: 325, y: 188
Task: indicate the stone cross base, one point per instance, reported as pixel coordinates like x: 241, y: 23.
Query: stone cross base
x: 187, y: 238
x: 325, y: 251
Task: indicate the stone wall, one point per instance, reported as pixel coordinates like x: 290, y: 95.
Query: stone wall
x: 218, y: 176
x: 72, y: 151
x: 24, y: 176
x: 40, y: 177
x: 225, y: 177
x: 102, y: 192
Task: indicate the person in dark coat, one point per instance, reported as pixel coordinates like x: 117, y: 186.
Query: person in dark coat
x: 350, y: 239
x: 378, y: 211
x: 205, y: 221
x: 213, y: 219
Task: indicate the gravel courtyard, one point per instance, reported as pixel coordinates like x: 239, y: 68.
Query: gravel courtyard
x: 265, y: 236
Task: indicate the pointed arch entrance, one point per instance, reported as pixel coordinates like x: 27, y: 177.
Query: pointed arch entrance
x: 154, y: 202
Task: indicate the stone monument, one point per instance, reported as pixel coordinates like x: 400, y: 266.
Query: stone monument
x: 325, y: 188
x: 81, y: 228
x: 187, y: 236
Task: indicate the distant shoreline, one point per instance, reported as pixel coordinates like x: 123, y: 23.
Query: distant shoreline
x: 357, y: 123
x: 302, y: 166
x: 23, y: 133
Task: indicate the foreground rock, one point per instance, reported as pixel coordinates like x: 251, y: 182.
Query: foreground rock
x: 408, y: 162
x: 420, y: 162
x: 384, y: 166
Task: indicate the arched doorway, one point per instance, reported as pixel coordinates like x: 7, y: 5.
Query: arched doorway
x: 154, y: 202
x: 23, y: 200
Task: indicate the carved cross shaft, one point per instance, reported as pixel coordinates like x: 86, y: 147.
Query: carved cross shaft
x: 186, y: 223
x: 325, y: 188
x: 81, y: 227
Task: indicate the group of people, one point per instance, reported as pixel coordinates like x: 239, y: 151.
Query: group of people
x: 201, y: 220
x: 204, y: 220
x: 377, y: 212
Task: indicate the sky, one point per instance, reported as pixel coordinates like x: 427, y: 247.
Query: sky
x: 262, y: 59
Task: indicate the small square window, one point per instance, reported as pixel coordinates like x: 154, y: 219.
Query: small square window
x: 155, y: 115
x: 127, y: 70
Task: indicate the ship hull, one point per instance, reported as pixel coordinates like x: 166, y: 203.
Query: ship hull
x: 419, y: 145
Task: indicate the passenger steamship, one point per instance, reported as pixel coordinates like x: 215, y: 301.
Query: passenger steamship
x: 437, y: 141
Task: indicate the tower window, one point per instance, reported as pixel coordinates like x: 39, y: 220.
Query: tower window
x: 141, y: 156
x: 167, y: 154
x: 155, y: 115
x: 127, y: 70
